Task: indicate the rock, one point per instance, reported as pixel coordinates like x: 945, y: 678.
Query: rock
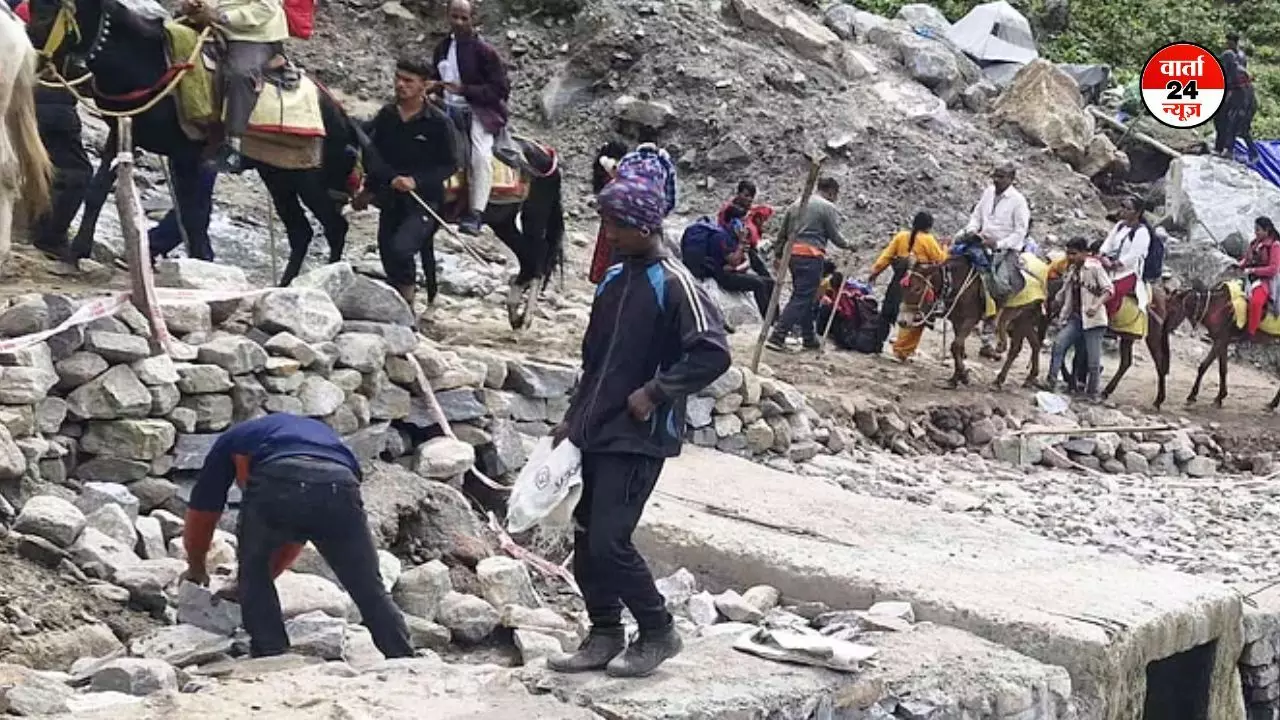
x: 309, y: 314
x: 51, y: 518
x: 184, y: 318
x: 762, y: 597
x: 1136, y: 464
x: 698, y: 411
x: 131, y: 439
x: 702, y: 609
x: 235, y: 354
x: 400, y: 340
x: 365, y: 352
x: 319, y: 397
x: 117, y: 393
x: 1100, y: 156
x: 468, y: 618
x: 922, y: 16
x: 505, y: 581
x: 189, y: 451
x: 318, y: 635
x: 1217, y: 201
x: 733, y: 606
x: 301, y: 593
x: 1044, y: 102
x: 424, y: 634
x: 202, y: 379
x: 727, y: 425
x: 839, y: 18
x: 443, y: 458
x: 420, y: 590
x: 95, y: 495
x: 135, y: 676
x: 39, y: 550
x: 117, y: 347
x: 798, y: 31
x: 213, y: 412
x: 200, y: 275
x: 375, y: 301
x: 290, y: 346
x: 1201, y: 467
x: 934, y: 65
x: 27, y: 693
x: 978, y: 97
x: 198, y: 606
x: 508, y: 447
x: 534, y: 646
x: 100, y: 556
x: 12, y: 462
x: 112, y: 520
x: 759, y: 437
x: 25, y: 385
x: 247, y: 397
x: 540, y: 380
x: 151, y: 540
x: 677, y: 588
x: 898, y: 610
x: 739, y: 309
x: 730, y: 381
x: 181, y: 645
x: 651, y: 114
x: 27, y: 316
x: 73, y: 371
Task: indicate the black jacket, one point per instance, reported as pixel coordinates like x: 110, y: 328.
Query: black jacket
x: 651, y: 326
x: 421, y: 147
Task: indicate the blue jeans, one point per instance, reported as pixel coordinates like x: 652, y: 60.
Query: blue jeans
x: 1068, y: 337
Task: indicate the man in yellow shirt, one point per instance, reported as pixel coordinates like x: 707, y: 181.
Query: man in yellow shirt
x: 255, y: 31
x: 905, y: 250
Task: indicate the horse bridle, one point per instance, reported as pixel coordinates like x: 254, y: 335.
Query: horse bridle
x: 938, y: 308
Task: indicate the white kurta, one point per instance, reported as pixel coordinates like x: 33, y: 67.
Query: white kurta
x: 1131, y: 254
x: 1005, y: 217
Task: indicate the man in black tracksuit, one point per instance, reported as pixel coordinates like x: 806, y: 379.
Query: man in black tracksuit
x: 413, y: 153
x: 60, y: 129
x: 653, y: 338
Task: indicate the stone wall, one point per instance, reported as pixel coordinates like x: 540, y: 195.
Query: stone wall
x: 1260, y: 664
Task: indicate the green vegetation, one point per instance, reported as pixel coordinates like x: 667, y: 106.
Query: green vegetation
x: 1124, y: 33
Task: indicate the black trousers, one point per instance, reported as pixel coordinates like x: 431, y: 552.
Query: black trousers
x: 406, y: 231
x: 298, y: 500
x: 758, y: 286
x: 606, y: 565
x: 806, y: 276
x: 60, y: 132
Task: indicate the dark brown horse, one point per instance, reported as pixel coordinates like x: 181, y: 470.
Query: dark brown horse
x: 953, y: 291
x: 1157, y: 344
x: 1212, y: 310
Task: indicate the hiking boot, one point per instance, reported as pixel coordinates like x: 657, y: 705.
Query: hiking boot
x: 228, y: 160
x: 776, y: 343
x: 471, y: 224
x: 812, y: 344
x: 600, y: 647
x: 645, y: 654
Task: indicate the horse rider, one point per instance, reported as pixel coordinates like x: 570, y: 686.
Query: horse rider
x: 472, y: 77
x: 1124, y: 255
x: 413, y: 155
x: 1001, y: 219
x: 255, y: 31
x: 1261, y: 265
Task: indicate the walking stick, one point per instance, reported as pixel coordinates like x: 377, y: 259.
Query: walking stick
x: 271, y: 239
x: 835, y: 307
x: 815, y: 165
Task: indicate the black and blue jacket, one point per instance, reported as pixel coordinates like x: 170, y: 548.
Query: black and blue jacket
x: 651, y: 326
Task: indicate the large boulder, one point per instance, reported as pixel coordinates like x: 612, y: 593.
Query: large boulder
x: 25, y: 385
x: 307, y: 313
x: 1044, y: 103
x: 923, y: 16
x: 1217, y: 201
x: 200, y: 275
x: 51, y: 518
x: 132, y: 439
x: 438, y: 517
x: 806, y: 36
x: 738, y: 308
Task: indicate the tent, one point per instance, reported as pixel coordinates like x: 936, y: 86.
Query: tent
x: 995, y: 32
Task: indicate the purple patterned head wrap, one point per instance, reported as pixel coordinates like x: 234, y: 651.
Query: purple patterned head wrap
x: 634, y: 203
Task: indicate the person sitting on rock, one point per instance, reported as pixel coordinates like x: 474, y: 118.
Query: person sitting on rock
x: 1000, y: 219
x: 255, y: 31
x: 753, y: 218
x: 1124, y: 254
x: 1261, y: 265
x: 718, y: 250
x: 301, y: 483
x: 653, y: 339
x: 472, y: 77
x: 413, y: 155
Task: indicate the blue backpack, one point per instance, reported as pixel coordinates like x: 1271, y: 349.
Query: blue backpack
x: 705, y: 246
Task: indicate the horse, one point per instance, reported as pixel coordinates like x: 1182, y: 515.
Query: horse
x: 123, y: 47
x: 1157, y: 339
x: 953, y: 291
x: 1212, y: 309
x: 26, y: 175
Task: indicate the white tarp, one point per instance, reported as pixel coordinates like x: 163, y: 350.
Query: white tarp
x: 995, y: 32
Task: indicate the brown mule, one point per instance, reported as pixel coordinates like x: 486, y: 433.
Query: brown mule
x: 953, y: 291
x: 1211, y: 309
x: 1157, y: 344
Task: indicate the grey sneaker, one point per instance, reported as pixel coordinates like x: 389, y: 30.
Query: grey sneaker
x: 596, y: 651
x: 645, y: 654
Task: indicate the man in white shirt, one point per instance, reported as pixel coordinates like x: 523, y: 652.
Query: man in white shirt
x: 1124, y: 254
x: 475, y: 87
x: 1001, y: 218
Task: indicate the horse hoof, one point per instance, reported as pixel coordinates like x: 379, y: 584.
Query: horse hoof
x: 1217, y: 404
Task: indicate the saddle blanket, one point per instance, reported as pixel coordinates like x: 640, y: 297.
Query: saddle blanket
x: 1129, y: 320
x: 1240, y: 306
x: 1035, y: 276
x: 509, y: 185
x: 293, y: 112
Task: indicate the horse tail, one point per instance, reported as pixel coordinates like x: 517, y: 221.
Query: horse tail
x: 555, y: 231
x: 33, y: 160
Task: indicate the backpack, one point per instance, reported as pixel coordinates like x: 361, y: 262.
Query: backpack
x: 704, y: 246
x: 301, y: 17
x: 1153, y: 265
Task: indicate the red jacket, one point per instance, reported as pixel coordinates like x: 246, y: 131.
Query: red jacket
x: 757, y: 216
x: 1263, y: 259
x: 24, y: 11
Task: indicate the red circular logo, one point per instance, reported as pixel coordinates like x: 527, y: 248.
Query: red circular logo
x: 1183, y: 85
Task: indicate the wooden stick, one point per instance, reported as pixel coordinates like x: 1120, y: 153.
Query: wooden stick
x: 523, y: 554
x: 784, y: 262
x: 434, y: 405
x: 271, y: 239
x: 1115, y: 125
x: 1124, y: 429
x: 835, y: 307
x: 137, y: 254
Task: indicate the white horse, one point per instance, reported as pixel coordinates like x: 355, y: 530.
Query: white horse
x: 25, y: 171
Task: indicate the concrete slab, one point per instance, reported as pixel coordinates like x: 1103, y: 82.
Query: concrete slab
x: 942, y: 672
x: 1102, y: 617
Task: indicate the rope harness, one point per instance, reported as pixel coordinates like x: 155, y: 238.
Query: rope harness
x: 939, y: 310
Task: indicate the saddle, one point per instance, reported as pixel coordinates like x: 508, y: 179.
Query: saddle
x: 512, y: 171
x: 286, y: 129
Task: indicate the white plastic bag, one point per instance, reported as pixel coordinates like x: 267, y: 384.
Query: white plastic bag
x: 548, y: 488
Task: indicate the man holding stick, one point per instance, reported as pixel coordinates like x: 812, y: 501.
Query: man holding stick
x: 814, y: 230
